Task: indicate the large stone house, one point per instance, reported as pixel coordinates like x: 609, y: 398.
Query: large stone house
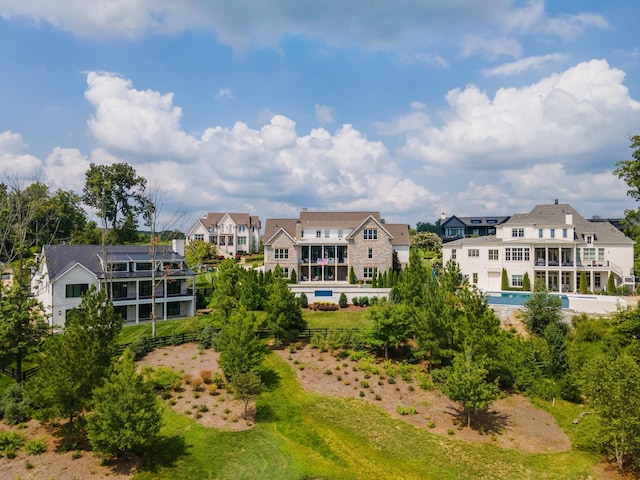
x: 129, y: 273
x: 553, y: 243
x: 232, y: 233
x: 324, y: 246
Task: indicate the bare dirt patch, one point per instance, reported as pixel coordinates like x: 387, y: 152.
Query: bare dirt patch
x: 52, y: 464
x: 512, y: 422
x: 220, y: 409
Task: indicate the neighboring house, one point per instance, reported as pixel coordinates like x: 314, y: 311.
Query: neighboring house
x: 232, y: 233
x: 553, y: 243
x: 455, y: 227
x: 65, y: 272
x: 323, y: 246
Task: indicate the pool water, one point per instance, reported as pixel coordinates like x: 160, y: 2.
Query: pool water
x: 516, y: 298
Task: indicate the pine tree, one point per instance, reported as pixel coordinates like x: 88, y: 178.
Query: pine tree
x: 127, y: 414
x: 284, y: 317
x: 611, y: 284
x: 343, y: 300
x: 584, y: 287
x: 526, y: 283
x: 505, y: 280
x: 241, y: 350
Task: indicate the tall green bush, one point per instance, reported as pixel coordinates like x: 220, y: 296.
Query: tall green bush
x: 505, y: 280
x: 352, y: 276
x: 584, y: 288
x: 343, y: 300
x: 526, y: 282
x: 611, y: 284
x: 304, y: 301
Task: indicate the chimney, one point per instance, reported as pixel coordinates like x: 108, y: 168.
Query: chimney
x: 443, y: 217
x: 177, y: 245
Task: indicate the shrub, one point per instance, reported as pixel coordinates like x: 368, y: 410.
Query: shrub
x: 10, y: 442
x: 208, y: 337
x: 424, y: 382
x: 14, y: 405
x: 355, y: 301
x: 35, y: 446
x: 304, y: 301
x: 343, y: 300
x: 407, y: 410
x: 207, y: 376
x: 219, y: 380
x: 324, y: 306
x: 140, y: 347
x: 163, y: 379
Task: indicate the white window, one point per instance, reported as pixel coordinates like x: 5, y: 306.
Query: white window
x: 588, y: 254
x: 516, y: 254
x: 475, y: 278
x: 474, y: 252
x: 589, y: 239
x: 242, y: 228
x: 370, y: 234
x: 453, y: 254
x: 199, y: 237
x: 540, y: 231
x: 564, y: 233
x: 596, y: 279
x: 370, y: 253
x: 326, y: 233
x: 369, y: 272
x: 553, y: 233
x: 318, y: 233
x: 516, y: 280
x: 493, y: 254
x: 601, y: 254
x: 242, y: 240
x: 340, y: 233
x: 281, y: 253
x: 285, y: 272
x: 517, y: 232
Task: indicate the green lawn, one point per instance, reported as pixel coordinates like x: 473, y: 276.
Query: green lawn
x: 303, y: 435
x: 336, y: 319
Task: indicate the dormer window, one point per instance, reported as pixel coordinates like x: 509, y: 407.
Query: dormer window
x: 589, y: 239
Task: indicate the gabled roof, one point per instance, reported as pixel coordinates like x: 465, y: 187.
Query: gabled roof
x: 400, y: 233
x: 60, y: 258
x: 274, y: 225
x: 214, y: 218
x: 377, y: 222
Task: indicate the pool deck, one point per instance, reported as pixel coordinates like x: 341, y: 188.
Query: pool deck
x: 597, y: 304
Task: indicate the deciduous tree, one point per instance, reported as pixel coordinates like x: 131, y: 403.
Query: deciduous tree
x: 612, y: 388
x: 246, y: 387
x: 390, y: 325
x: 199, y: 252
x: 466, y: 383
x: 116, y: 193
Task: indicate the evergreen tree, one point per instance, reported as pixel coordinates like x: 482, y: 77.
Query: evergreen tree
x: 284, y: 317
x: 555, y: 336
x: 294, y: 277
x: 225, y: 292
x: 76, y: 361
x: 611, y: 284
x: 22, y: 324
x: 526, y: 282
x: 505, y: 280
x: 241, y: 350
x: 541, y: 309
x: 343, y: 300
x: 127, y: 415
x: 352, y: 276
x: 584, y: 287
x: 304, y: 301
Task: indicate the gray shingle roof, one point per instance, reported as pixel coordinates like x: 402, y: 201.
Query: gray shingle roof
x: 60, y: 258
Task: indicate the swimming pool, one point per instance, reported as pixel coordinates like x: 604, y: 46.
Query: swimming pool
x: 516, y: 298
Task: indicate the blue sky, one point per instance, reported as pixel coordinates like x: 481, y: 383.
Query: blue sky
x: 412, y: 108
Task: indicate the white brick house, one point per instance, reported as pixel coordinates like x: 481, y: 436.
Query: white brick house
x: 232, y: 233
x: 323, y: 246
x: 553, y: 243
x: 65, y: 272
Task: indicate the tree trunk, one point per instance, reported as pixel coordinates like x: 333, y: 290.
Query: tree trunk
x: 468, y: 417
x: 19, y: 367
